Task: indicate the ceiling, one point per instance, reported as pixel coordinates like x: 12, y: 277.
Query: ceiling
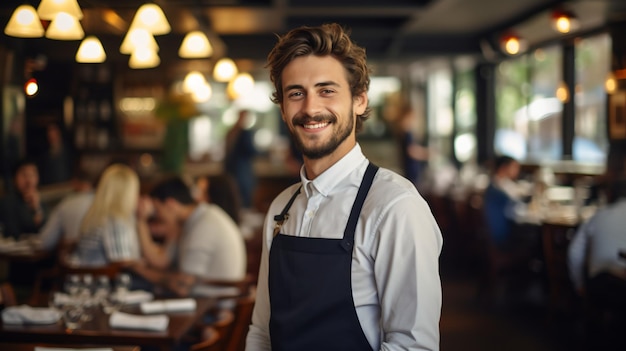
x: 390, y: 30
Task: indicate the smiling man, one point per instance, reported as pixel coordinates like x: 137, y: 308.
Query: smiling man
x: 350, y: 254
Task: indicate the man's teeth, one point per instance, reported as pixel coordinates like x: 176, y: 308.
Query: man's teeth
x: 315, y: 126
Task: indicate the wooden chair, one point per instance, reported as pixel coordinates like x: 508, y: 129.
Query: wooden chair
x: 223, y: 325
x: 211, y: 342
x: 236, y: 341
x: 556, y: 238
x: 7, y: 295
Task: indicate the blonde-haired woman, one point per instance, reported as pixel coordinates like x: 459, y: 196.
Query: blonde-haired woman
x: 108, y: 232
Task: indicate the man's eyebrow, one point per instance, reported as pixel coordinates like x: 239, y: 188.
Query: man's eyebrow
x: 320, y: 84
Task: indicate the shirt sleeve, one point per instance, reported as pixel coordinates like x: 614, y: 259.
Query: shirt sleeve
x: 52, y: 230
x: 258, y: 338
x: 406, y: 253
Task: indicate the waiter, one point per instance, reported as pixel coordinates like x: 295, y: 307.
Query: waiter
x: 350, y: 254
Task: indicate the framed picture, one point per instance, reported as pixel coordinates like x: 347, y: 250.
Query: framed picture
x: 617, y: 115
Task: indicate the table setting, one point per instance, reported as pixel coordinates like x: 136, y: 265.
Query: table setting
x: 96, y: 310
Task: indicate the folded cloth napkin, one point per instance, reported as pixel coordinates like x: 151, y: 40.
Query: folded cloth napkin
x: 170, y: 305
x: 25, y: 314
x: 134, y: 296
x: 45, y: 348
x: 216, y: 291
x: 132, y: 321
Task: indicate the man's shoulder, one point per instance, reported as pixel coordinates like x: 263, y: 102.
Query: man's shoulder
x: 77, y: 199
x: 389, y: 185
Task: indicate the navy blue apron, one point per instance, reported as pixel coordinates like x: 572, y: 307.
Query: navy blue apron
x: 310, y: 287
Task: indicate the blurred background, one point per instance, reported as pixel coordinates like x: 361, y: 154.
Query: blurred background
x: 542, y: 81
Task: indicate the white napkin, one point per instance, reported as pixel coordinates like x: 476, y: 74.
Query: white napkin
x: 171, y: 305
x: 43, y: 348
x: 25, y: 314
x: 133, y: 321
x: 135, y: 296
x: 215, y: 291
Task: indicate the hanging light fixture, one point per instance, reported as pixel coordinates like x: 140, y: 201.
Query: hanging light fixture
x: 241, y: 85
x: 90, y: 51
x: 195, y: 45
x: 197, y: 86
x: 151, y: 18
x: 138, y: 38
x: 31, y: 87
x: 610, y: 83
x: 564, y: 21
x: 144, y: 58
x: 65, y: 27
x: 48, y: 9
x: 24, y: 23
x: 225, y: 70
x: 513, y: 44
x: 562, y: 92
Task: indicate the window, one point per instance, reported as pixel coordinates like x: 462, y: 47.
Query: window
x: 593, y: 59
x: 465, y: 115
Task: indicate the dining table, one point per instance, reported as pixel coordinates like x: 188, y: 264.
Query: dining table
x: 32, y: 346
x: 98, y: 331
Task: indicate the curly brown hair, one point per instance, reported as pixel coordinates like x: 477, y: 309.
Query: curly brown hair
x: 327, y: 39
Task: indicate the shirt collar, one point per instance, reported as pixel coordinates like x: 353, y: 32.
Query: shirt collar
x: 325, y: 182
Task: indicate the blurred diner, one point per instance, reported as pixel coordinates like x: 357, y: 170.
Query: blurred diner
x: 597, y: 264
x: 21, y: 209
x: 110, y: 229
x: 208, y: 245
x: 63, y: 224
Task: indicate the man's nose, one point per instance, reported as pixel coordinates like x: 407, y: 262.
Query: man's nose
x: 312, y: 105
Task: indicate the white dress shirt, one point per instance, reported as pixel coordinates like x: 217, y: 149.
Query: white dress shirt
x: 211, y: 245
x: 395, y: 262
x: 596, y: 245
x: 65, y: 219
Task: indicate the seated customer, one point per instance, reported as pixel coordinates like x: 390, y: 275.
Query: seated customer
x: 109, y: 230
x: 596, y: 268
x: 501, y: 203
x: 63, y: 224
x: 21, y: 210
x: 209, y: 244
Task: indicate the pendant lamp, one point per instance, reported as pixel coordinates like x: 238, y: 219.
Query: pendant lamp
x: 144, y: 58
x: 24, y: 23
x: 90, y: 51
x: 225, y: 70
x: 151, y: 18
x: 65, y: 27
x: 48, y: 9
x: 195, y: 45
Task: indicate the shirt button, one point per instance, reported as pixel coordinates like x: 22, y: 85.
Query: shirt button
x: 310, y: 214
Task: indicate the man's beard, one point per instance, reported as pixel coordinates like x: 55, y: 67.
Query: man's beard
x: 338, y: 136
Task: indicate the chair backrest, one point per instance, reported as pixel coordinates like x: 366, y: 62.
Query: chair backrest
x: 211, y: 341
x: 236, y: 341
x: 223, y: 325
x: 7, y: 295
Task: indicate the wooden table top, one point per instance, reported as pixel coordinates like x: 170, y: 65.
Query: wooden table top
x: 31, y: 347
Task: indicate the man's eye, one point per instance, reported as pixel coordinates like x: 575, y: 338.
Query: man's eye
x: 295, y: 94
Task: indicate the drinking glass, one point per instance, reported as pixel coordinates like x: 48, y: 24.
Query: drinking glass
x: 122, y: 283
x: 73, y: 315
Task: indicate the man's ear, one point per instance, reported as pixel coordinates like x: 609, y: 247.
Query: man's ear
x: 360, y: 103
